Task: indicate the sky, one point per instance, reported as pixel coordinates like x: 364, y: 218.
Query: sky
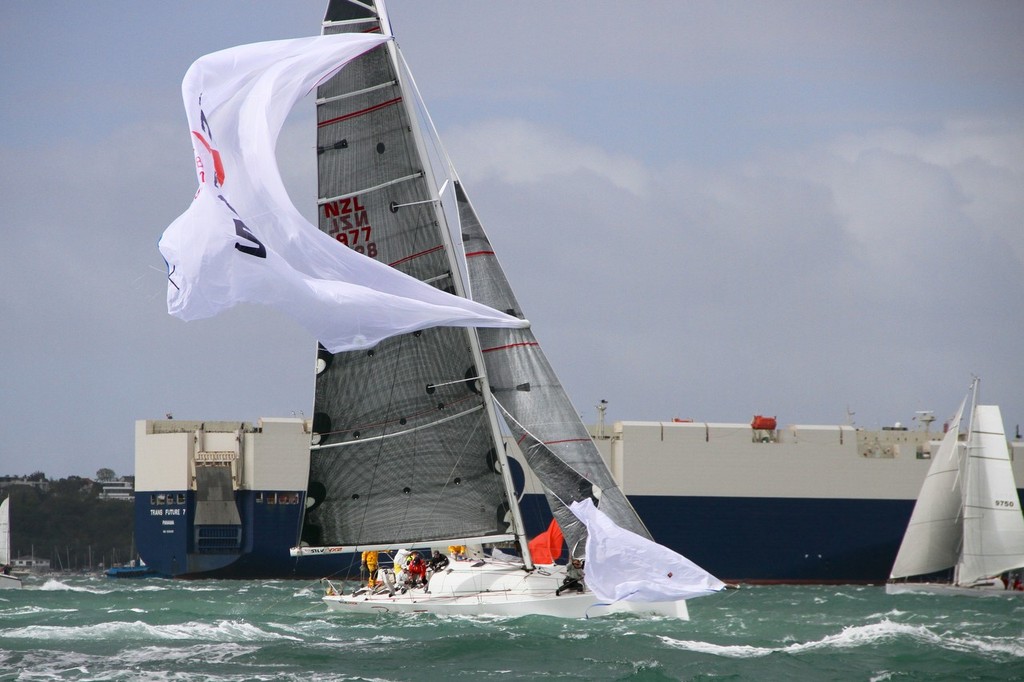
x: 708, y: 209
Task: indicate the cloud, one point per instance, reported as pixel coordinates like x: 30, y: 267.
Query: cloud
x: 797, y: 278
x: 517, y: 151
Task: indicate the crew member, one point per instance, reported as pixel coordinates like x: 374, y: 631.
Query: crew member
x: 573, y: 577
x: 369, y: 564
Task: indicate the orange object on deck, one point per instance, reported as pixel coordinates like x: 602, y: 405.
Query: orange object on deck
x: 765, y: 423
x: 547, y: 546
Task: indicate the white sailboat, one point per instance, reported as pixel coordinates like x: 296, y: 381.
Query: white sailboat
x: 407, y: 440
x: 7, y: 581
x: 407, y: 443
x: 966, y: 533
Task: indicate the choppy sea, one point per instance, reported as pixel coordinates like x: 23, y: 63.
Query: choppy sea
x: 96, y: 628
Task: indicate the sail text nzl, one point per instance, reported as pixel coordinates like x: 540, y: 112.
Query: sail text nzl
x: 348, y: 222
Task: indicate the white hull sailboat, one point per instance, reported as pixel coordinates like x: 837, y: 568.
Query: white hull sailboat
x: 425, y: 359
x: 7, y: 581
x: 495, y: 588
x: 967, y: 524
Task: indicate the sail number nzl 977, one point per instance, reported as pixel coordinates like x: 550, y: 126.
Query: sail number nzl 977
x: 348, y: 222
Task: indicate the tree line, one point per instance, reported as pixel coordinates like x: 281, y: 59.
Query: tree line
x: 66, y: 522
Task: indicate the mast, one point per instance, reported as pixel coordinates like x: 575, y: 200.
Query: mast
x: 518, y: 527
x: 965, y: 469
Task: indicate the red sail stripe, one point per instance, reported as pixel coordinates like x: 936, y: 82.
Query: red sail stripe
x: 361, y: 112
x: 416, y: 255
x: 479, y: 253
x: 511, y: 345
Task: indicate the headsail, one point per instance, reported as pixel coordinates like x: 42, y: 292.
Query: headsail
x: 545, y: 424
x: 242, y: 239
x: 932, y: 540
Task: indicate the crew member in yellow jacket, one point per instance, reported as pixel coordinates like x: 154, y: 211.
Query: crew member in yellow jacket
x: 369, y: 563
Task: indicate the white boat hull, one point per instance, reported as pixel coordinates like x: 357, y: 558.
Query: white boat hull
x: 992, y: 589
x: 9, y: 582
x: 492, y: 588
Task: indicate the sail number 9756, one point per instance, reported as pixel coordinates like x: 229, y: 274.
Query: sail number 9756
x: 1005, y: 503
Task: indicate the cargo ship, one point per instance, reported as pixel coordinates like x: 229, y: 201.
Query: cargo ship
x: 754, y: 503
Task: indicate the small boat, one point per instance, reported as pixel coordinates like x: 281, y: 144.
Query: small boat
x: 7, y: 581
x: 966, y: 533
x: 135, y: 569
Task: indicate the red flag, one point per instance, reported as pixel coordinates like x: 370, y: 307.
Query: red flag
x: 547, y: 546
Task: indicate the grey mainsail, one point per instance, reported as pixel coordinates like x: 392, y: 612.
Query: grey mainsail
x: 403, y: 447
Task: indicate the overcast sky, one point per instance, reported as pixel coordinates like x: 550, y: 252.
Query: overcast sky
x: 708, y: 210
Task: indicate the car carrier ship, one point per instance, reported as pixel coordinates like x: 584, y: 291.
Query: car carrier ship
x: 752, y: 503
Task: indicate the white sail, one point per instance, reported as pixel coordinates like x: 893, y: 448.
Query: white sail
x: 624, y: 566
x: 242, y: 239
x: 932, y: 539
x: 5, y: 532
x: 993, y: 538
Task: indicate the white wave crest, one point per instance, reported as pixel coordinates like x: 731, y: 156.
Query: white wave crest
x: 208, y: 653
x: 856, y: 636
x: 219, y: 631
x: 34, y: 610
x: 54, y: 585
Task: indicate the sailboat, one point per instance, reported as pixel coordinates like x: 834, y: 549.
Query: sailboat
x: 7, y: 581
x: 407, y: 436
x: 966, y: 533
x: 425, y: 358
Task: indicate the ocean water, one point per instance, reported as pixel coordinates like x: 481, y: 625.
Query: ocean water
x: 94, y: 628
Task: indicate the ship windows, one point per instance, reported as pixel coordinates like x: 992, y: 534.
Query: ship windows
x: 161, y: 499
x: 264, y: 497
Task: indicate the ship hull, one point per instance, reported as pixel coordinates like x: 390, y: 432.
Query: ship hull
x: 818, y: 505
x: 173, y: 547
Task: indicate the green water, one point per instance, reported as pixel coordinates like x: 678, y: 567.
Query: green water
x: 93, y: 628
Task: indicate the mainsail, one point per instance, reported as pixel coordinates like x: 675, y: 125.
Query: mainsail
x: 406, y: 447
x: 993, y: 524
